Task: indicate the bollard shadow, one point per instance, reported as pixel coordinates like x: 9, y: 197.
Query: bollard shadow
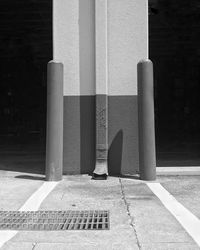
x: 30, y: 177
x: 133, y: 177
x: 115, y: 155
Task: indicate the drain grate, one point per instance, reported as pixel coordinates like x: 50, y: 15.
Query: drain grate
x: 55, y: 220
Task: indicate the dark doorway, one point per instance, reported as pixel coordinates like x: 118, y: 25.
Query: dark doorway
x: 26, y: 48
x: 174, y: 36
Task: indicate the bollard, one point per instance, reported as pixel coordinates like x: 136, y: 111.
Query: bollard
x: 54, y: 135
x: 147, y: 153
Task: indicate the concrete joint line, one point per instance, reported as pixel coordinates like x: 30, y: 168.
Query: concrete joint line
x: 132, y: 219
x: 33, y: 245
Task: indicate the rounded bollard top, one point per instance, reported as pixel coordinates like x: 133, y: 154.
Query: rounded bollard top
x: 54, y: 61
x: 145, y: 61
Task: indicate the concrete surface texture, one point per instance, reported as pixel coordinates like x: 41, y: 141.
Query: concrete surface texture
x: 138, y: 220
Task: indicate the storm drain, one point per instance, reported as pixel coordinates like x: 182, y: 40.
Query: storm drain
x: 54, y: 220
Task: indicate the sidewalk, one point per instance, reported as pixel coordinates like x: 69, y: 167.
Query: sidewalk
x: 138, y: 220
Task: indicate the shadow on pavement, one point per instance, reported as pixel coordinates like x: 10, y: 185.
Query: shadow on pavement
x: 30, y: 177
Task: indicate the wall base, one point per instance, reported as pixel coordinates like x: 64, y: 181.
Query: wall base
x: 79, y: 135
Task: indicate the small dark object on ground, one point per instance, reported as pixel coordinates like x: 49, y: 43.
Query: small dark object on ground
x: 99, y: 177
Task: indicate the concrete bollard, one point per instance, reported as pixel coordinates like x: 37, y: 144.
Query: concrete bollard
x: 147, y: 153
x: 54, y: 135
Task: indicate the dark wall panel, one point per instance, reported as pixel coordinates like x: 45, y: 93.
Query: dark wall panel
x: 79, y: 134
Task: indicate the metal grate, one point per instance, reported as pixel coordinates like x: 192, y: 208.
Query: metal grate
x: 55, y: 220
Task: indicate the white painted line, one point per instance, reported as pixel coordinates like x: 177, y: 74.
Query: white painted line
x: 6, y: 236
x: 177, y: 169
x: 101, y: 41
x: 189, y: 221
x: 187, y: 170
x: 32, y: 204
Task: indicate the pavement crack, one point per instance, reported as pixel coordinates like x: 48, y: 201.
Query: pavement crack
x: 33, y: 245
x: 132, y: 219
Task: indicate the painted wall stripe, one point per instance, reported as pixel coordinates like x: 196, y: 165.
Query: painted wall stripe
x: 87, y: 46
x: 32, y: 204
x: 101, y: 40
x: 189, y: 221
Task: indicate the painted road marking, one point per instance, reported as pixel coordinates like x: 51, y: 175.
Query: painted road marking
x: 189, y: 221
x: 189, y: 170
x: 32, y: 204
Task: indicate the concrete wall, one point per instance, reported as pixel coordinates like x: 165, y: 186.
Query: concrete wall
x: 127, y: 41
x: 127, y: 44
x: 74, y: 45
x: 66, y: 42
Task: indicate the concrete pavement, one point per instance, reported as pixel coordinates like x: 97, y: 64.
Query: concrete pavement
x: 138, y: 220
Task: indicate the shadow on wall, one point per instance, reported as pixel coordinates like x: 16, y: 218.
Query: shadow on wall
x: 87, y: 134
x: 115, y: 154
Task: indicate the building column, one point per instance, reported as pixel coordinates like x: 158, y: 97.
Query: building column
x: 100, y: 47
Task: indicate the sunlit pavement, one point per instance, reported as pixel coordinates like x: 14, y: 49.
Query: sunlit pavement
x: 138, y: 219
